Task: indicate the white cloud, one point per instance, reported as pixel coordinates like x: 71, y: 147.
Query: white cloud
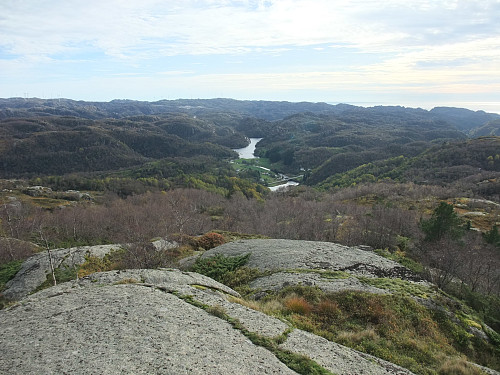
x: 412, y: 45
x: 120, y: 28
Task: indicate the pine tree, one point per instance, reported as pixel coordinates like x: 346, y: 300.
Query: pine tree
x: 444, y: 221
x: 492, y: 236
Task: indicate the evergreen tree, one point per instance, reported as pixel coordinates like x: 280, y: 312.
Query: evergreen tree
x: 492, y: 236
x: 444, y: 221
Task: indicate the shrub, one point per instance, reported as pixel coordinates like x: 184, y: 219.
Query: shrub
x: 444, y: 220
x: 298, y: 305
x: 218, y: 266
x: 94, y: 264
x: 65, y: 273
x: 241, y: 276
x: 8, y: 271
x: 62, y: 274
x: 310, y: 294
x: 145, y: 255
x: 492, y: 236
x: 327, y: 310
x: 210, y: 240
x: 392, y: 327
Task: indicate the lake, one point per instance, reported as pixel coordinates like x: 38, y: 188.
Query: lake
x: 247, y: 152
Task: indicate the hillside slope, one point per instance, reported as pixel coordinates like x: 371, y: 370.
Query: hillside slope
x: 309, y: 299
x: 468, y: 164
x: 162, y: 322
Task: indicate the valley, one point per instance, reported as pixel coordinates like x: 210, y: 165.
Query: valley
x: 249, y: 164
x: 412, y: 195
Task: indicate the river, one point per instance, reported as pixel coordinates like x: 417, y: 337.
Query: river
x: 248, y: 153
x: 285, y: 185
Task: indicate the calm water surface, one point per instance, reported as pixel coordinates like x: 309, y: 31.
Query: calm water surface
x: 247, y: 152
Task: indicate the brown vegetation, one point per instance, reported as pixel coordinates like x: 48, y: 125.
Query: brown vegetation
x: 383, y: 216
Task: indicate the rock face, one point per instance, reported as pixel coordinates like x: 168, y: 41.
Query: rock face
x: 156, y: 322
x: 313, y: 263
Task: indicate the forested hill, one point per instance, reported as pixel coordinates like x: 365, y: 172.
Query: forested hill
x: 467, y: 165
x: 463, y: 119
x: 268, y: 110
x: 189, y: 142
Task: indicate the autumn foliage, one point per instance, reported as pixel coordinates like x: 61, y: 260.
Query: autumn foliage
x: 210, y: 240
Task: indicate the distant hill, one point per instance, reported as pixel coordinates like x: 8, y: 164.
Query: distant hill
x: 325, y: 144
x: 268, y: 110
x: 42, y: 137
x: 464, y: 119
x: 470, y: 164
x: 490, y: 128
x: 58, y: 145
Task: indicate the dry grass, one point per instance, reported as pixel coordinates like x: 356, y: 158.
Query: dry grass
x: 298, y: 305
x: 251, y: 304
x: 357, y: 337
x: 458, y: 366
x: 269, y: 307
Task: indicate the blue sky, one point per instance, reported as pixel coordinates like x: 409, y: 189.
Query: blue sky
x: 394, y: 52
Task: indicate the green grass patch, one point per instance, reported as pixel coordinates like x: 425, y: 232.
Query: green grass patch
x: 236, y: 236
x: 401, y: 258
x: 258, y: 169
x: 95, y: 264
x: 399, y: 286
x: 49, y: 203
x: 8, y: 271
x: 62, y: 274
x: 230, y: 271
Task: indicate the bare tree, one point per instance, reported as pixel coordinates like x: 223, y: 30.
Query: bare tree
x: 45, y: 241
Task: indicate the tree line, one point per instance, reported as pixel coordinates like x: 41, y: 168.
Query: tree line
x: 374, y: 215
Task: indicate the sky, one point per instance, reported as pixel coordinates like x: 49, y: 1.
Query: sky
x: 413, y: 53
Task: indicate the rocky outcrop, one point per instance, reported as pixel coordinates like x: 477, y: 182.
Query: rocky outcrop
x: 286, y: 258
x: 157, y: 322
x: 329, y: 266
x: 35, y: 269
x: 279, y: 254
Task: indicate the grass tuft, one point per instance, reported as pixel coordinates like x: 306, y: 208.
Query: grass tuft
x: 298, y: 305
x: 458, y: 366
